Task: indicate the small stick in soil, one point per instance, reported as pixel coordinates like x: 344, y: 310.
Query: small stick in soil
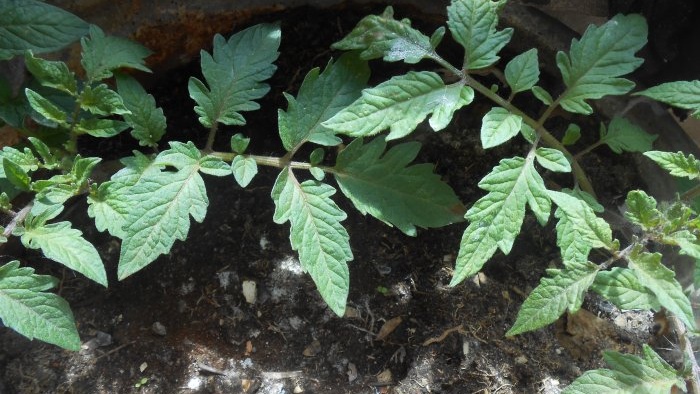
x: 210, y: 369
x: 116, y: 349
x: 460, y: 329
x: 281, y: 375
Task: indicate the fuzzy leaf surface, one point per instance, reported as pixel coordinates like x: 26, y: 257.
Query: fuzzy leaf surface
x: 234, y: 74
x: 52, y: 74
x: 563, y: 291
x: 45, y: 107
x: 146, y: 120
x: 244, y: 169
x: 495, y: 219
x: 473, y: 25
x: 552, y: 159
x: 641, y: 210
x: 103, y: 54
x: 499, y: 126
x: 681, y: 94
x: 621, y: 287
x: 623, y: 135
x: 27, y: 308
x: 317, y: 234
x: 383, y: 183
x: 101, y: 128
x: 523, y: 71
x: 400, y: 104
x: 101, y: 100
x: 594, y: 63
x: 677, y: 164
x: 321, y: 96
x: 212, y: 165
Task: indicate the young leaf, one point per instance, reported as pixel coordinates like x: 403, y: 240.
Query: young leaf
x: 239, y: 143
x: 629, y: 375
x: 542, y: 95
x: 411, y: 195
x: 499, y: 126
x: 622, y: 135
x: 44, y: 152
x: 320, y: 97
x: 523, y: 71
x: 563, y: 291
x: 101, y: 100
x: 234, y: 74
x: 26, y: 308
x: 677, y: 164
x: 102, y: 128
x: 103, y: 54
x: 400, y: 104
x: 681, y: 94
x: 662, y: 282
x: 316, y: 233
x: 528, y: 133
x: 641, y: 210
x: 244, y: 169
x: 146, y: 120
x: 212, y: 165
x: 15, y: 174
x: 383, y: 36
x: 496, y: 218
x: 473, y: 25
x: 552, y: 159
x: 571, y: 135
x: 36, y: 26
x: 45, y: 107
x: 594, y: 63
x: 53, y: 74
x: 621, y: 287
x: 166, y: 201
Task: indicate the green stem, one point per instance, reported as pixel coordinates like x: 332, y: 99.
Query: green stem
x: 211, y: 137
x: 270, y: 161
x: 588, y: 149
x: 691, y: 193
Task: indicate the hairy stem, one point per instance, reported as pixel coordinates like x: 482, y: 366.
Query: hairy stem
x: 211, y: 137
x: 18, y: 219
x: 270, y: 161
x: 685, y: 346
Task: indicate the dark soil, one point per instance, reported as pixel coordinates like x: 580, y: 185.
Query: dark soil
x: 182, y: 325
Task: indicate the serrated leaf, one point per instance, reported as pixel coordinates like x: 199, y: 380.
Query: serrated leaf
x: 496, y: 218
x: 621, y: 287
x: 385, y: 185
x: 641, y: 210
x: 553, y: 296
x: 102, y: 128
x: 45, y: 107
x: 571, y: 135
x: 244, y: 169
x: 101, y: 100
x: 681, y: 94
x: 499, y: 126
x: 320, y: 97
x: 542, y: 95
x: 523, y: 71
x: 15, y: 174
x: 677, y: 164
x: 37, y: 26
x: 552, y: 159
x: 146, y: 120
x: 383, y: 36
x: 623, y: 135
x: 53, y: 74
x: 630, y: 374
x: 234, y: 74
x: 27, y: 309
x: 592, y: 67
x: 212, y: 165
x: 317, y: 234
x: 662, y: 282
x: 166, y: 201
x: 587, y: 198
x: 103, y: 54
x: 399, y: 104
x: 473, y: 25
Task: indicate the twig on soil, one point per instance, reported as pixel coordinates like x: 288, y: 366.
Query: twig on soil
x: 210, y: 369
x: 460, y: 329
x: 688, y: 354
x: 281, y: 375
x: 116, y: 349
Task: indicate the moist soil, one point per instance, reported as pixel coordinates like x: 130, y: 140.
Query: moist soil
x: 183, y: 324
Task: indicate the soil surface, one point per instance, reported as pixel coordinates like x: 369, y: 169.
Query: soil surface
x: 183, y: 324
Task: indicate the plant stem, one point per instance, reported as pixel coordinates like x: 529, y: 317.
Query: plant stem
x: 270, y: 161
x: 211, y: 137
x: 18, y: 219
x: 691, y: 193
x: 588, y: 149
x: 687, y: 349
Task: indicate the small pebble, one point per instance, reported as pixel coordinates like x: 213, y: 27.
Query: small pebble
x: 158, y: 329
x: 250, y: 291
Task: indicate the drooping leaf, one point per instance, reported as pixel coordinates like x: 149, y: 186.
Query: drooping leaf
x: 473, y: 25
x: 621, y: 287
x: 146, y: 120
x: 499, y: 126
x: 400, y: 104
x: 552, y: 159
x: 101, y: 100
x: 26, y: 308
x: 104, y: 54
x: 316, y: 233
x: 385, y: 185
x: 563, y: 291
x: 37, y: 26
x: 677, y: 164
x: 45, y: 107
x: 244, y: 169
x: 495, y: 219
x: 320, y: 97
x: 234, y: 74
x: 523, y: 71
x: 594, y: 64
x: 630, y: 374
x: 641, y: 210
x: 681, y: 94
x: 623, y: 135
x: 52, y: 74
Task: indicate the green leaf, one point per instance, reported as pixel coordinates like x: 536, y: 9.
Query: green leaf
x: 437, y: 36
x: 37, y: 26
x: 572, y: 134
x: 552, y: 159
x: 579, y: 229
x: 44, y: 152
x: 592, y: 67
x: 641, y: 210
x: 234, y: 74
x: 316, y: 232
x: 622, y: 135
x: 146, y: 120
x: 320, y: 97
x: 45, y: 107
x: 27, y: 309
x: 563, y: 291
x: 102, y: 128
x: 384, y: 185
x: 317, y: 173
x: 166, y: 199
x: 103, y: 54
x: 681, y: 94
x: 244, y: 169
x: 239, y: 143
x: 61, y: 243
x: 212, y: 165
x: 473, y: 25
x: 400, y: 104
x: 677, y: 164
x: 383, y: 36
x: 496, y: 218
x: 587, y: 198
x: 101, y: 100
x: 15, y: 174
x: 499, y: 126
x: 523, y: 71
x: 630, y: 374
x: 621, y: 287
x: 528, y: 133
x: 662, y: 282
x: 316, y: 156
x: 53, y: 74
x: 542, y: 95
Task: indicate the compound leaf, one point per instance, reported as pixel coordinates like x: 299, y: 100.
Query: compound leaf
x: 594, y: 63
x: 103, y: 54
x: 623, y: 135
x: 146, y: 120
x: 523, y: 71
x: 244, y: 169
x: 499, y: 126
x: 383, y: 184
x: 316, y: 233
x: 681, y: 94
x: 677, y: 164
x: 621, y: 287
